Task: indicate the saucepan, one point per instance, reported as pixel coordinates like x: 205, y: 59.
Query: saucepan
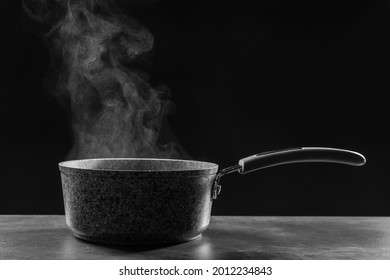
x: 144, y: 201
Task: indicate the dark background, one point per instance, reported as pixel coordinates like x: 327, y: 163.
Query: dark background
x: 245, y: 77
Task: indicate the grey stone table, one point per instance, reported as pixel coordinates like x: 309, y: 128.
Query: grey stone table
x: 47, y: 238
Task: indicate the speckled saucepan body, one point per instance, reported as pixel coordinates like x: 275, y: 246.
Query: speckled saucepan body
x: 137, y: 201
x: 160, y: 201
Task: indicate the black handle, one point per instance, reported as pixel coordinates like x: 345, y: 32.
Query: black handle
x: 295, y: 155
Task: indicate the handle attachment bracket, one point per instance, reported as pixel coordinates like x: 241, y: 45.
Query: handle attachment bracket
x: 217, y: 186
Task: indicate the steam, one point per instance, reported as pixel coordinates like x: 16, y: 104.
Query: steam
x: 98, y: 59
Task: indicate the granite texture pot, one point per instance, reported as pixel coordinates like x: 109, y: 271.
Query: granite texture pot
x: 159, y: 201
x: 137, y: 201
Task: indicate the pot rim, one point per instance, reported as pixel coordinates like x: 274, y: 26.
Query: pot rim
x: 71, y: 166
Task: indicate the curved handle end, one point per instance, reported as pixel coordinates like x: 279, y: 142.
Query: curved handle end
x: 304, y: 154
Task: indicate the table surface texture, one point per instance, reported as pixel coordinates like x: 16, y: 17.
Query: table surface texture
x: 47, y: 237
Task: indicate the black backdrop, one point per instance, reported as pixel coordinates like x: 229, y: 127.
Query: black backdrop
x: 245, y: 77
